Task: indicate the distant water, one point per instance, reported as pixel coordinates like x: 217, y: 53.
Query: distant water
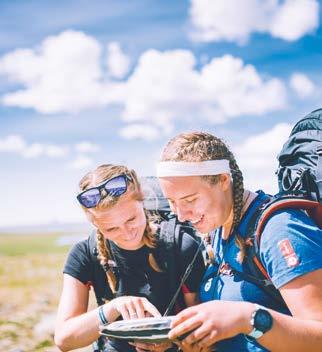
x: 57, y: 227
x: 69, y: 240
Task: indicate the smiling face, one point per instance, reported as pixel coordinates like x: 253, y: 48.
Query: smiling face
x: 123, y: 223
x: 207, y: 206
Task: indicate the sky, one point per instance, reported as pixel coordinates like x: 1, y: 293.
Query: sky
x: 84, y: 83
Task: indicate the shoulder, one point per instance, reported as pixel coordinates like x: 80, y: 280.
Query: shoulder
x: 290, y: 246
x: 81, y: 251
x: 291, y: 222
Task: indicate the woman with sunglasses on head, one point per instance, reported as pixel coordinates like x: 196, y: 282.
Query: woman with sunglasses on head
x: 204, y: 185
x: 123, y: 262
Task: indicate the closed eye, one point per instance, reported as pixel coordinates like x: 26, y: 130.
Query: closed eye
x: 111, y: 229
x: 130, y: 220
x: 190, y: 200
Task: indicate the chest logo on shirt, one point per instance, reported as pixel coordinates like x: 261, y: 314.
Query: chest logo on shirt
x: 288, y: 253
x: 208, y: 285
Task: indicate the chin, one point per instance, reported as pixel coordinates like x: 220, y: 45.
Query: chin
x: 136, y: 243
x: 206, y: 229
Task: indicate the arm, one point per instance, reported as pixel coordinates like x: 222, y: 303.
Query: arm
x: 75, y: 327
x: 300, y: 286
x: 191, y: 299
x: 217, y: 320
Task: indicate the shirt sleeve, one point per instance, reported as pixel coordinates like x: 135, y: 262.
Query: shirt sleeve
x: 78, y: 263
x: 291, y: 246
x: 187, y: 248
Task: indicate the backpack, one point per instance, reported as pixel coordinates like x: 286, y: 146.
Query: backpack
x: 170, y: 234
x: 300, y: 186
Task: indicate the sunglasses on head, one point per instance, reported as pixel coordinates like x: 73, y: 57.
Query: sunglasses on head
x: 114, y: 187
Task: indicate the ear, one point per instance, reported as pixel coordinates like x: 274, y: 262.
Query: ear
x: 225, y: 181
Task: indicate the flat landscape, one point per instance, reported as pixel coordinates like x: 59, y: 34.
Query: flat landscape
x: 30, y: 285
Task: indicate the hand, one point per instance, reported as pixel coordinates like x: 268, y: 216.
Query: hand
x: 157, y: 347
x: 131, y: 307
x: 211, y: 322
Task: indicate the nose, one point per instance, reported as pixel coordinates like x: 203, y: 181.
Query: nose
x: 128, y: 228
x: 182, y: 213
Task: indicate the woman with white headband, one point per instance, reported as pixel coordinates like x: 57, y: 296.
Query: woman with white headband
x: 204, y: 185
x: 129, y: 261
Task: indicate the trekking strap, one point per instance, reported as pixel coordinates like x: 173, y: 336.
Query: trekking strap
x: 289, y: 201
x: 167, y: 233
x: 319, y: 173
x: 184, y: 278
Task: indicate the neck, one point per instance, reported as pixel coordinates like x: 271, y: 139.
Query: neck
x: 227, y: 226
x: 247, y: 199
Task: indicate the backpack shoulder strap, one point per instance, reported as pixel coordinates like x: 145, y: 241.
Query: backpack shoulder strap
x: 319, y: 173
x: 258, y: 274
x: 93, y: 252
x: 168, y: 235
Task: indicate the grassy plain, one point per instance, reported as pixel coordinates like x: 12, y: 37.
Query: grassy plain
x: 30, y: 285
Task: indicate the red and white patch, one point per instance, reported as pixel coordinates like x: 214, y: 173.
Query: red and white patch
x: 288, y: 253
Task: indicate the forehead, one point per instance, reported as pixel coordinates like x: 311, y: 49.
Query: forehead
x: 183, y: 186
x: 124, y: 209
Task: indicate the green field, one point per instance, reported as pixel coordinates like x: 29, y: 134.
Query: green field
x: 18, y: 245
x: 30, y: 281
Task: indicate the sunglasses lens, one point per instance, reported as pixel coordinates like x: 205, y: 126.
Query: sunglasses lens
x: 90, y: 198
x: 116, y: 186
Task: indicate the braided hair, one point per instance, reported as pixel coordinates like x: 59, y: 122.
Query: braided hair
x: 96, y: 177
x: 202, y: 146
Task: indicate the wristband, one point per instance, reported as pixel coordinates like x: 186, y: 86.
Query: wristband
x: 101, y: 315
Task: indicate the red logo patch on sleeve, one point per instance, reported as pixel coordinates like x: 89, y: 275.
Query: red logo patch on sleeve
x: 288, y: 253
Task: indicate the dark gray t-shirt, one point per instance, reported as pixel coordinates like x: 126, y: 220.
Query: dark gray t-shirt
x: 134, y: 273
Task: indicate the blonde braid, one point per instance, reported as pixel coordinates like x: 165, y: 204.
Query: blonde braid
x: 238, y: 193
x: 104, y: 255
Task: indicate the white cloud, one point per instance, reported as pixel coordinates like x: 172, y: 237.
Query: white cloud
x: 257, y: 157
x: 235, y: 20
x: 237, y: 89
x: 36, y: 150
x: 81, y: 162
x: 302, y: 85
x: 12, y: 143
x: 17, y: 144
x: 63, y: 74
x: 118, y: 63
x: 295, y: 18
x: 223, y: 89
x: 164, y: 86
x: 140, y: 131
x: 87, y: 147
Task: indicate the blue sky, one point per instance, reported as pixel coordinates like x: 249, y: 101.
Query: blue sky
x: 90, y: 82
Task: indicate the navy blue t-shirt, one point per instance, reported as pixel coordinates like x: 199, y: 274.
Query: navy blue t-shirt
x: 290, y: 247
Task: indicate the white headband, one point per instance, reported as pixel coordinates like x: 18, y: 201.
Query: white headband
x: 195, y: 168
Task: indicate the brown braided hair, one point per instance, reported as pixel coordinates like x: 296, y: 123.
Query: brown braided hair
x: 202, y: 146
x: 96, y: 177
